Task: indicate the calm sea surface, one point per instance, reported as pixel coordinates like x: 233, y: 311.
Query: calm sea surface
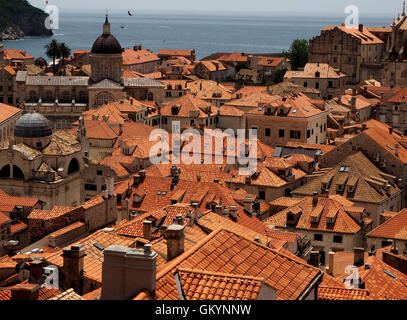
x: 204, y: 33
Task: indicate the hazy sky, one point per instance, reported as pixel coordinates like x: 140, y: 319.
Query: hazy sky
x: 316, y: 7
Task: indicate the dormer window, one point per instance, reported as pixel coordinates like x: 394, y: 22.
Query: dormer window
x: 317, y: 74
x: 126, y: 151
x: 339, y: 188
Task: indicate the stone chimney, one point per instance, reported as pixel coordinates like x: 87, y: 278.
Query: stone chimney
x: 315, y: 195
x: 175, y: 241
x: 314, y: 258
x: 73, y: 257
x: 248, y: 204
x: 25, y: 291
x: 128, y: 271
x: 147, y: 230
x: 359, y: 256
x: 179, y: 219
x: 37, y: 271
x: 110, y: 186
x: 353, y: 104
x: 330, y: 269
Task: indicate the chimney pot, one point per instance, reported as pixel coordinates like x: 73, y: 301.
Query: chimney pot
x: 359, y: 256
x: 175, y: 241
x: 147, y: 230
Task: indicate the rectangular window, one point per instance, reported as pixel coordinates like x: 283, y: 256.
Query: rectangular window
x: 295, y: 134
x: 338, y: 239
x: 91, y: 187
x: 99, y: 173
x: 308, y: 133
x: 262, y: 194
x: 318, y: 237
x: 267, y: 132
x: 316, y: 85
x: 330, y: 84
x: 305, y: 84
x: 281, y: 133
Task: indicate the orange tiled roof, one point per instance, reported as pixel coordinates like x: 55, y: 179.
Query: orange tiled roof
x: 343, y: 223
x: 203, y: 285
x: 43, y: 294
x: 310, y: 69
x: 156, y: 193
x: 382, y: 281
x: 186, y: 104
x: 332, y: 293
x: 55, y: 212
x: 296, y: 106
x: 226, y: 252
x: 94, y: 257
x: 172, y: 52
x: 270, y: 61
x: 5, y: 199
x: 11, y: 54
x: 212, y: 65
x: 132, y: 57
x: 394, y: 228
x: 233, y: 57
x: 365, y: 36
x: 4, y: 219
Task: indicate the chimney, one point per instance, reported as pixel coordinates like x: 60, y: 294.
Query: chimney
x: 315, y: 195
x: 175, y: 241
x: 73, y: 257
x: 37, y: 271
x: 25, y: 291
x: 359, y: 256
x: 390, y: 130
x: 394, y: 248
x: 233, y: 211
x: 128, y: 271
x: 147, y: 229
x: 110, y: 186
x: 314, y: 258
x: 179, y: 219
x: 248, y: 204
x: 136, y: 180
x: 397, y: 149
x: 361, y: 27
x: 219, y: 209
x: 353, y: 104
x: 330, y: 269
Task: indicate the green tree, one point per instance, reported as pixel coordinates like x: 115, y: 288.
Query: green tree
x: 298, y: 53
x: 52, y: 50
x: 279, y: 75
x: 65, y: 52
x: 242, y: 65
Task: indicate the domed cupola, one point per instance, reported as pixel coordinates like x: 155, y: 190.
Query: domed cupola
x: 106, y: 43
x: 33, y: 129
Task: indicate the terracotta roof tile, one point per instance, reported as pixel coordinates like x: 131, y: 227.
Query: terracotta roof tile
x: 226, y: 252
x: 394, y: 228
x: 203, y: 285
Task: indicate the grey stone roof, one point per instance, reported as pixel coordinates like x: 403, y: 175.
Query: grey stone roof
x: 21, y: 76
x: 106, y: 84
x: 57, y: 81
x: 142, y: 82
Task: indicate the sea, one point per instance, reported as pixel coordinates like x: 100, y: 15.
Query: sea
x: 207, y: 33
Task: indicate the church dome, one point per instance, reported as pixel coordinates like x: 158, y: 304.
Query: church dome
x: 33, y: 125
x: 106, y: 43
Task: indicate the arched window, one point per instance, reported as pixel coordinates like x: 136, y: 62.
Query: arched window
x: 103, y: 98
x: 73, y: 166
x: 33, y: 96
x: 82, y: 96
x: 65, y: 96
x: 17, y: 173
x: 49, y: 97
x: 5, y: 171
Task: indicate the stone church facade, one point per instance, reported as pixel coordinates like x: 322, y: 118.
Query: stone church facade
x: 61, y: 97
